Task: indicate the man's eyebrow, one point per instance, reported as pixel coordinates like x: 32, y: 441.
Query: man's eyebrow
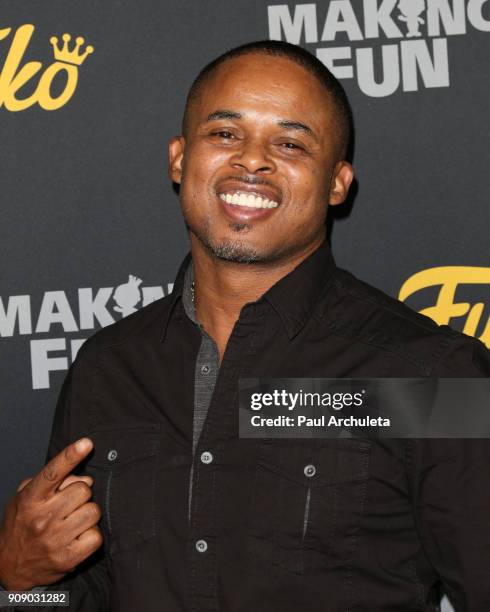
x: 223, y: 114
x: 296, y: 125
x: 288, y: 124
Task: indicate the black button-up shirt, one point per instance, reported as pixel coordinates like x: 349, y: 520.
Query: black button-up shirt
x: 375, y: 526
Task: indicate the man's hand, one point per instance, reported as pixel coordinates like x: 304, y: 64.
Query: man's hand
x: 49, y: 526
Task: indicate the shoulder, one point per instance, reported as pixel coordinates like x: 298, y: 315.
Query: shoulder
x: 148, y: 322
x: 355, y: 308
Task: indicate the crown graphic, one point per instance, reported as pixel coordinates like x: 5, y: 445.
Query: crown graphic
x: 73, y: 56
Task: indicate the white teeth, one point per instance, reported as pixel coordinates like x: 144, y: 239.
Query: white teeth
x: 248, y: 200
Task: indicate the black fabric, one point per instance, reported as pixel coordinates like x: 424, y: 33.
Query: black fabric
x: 378, y: 529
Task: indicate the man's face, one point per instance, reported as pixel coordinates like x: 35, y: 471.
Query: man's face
x: 259, y: 161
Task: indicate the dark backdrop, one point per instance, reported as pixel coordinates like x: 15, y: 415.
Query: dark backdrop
x: 85, y: 199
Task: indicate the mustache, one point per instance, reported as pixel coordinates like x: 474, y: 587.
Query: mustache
x: 250, y: 180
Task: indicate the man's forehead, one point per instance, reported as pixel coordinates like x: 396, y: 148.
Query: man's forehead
x: 255, y: 77
x: 254, y: 65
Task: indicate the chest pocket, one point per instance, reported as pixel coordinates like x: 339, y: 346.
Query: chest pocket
x: 307, y: 503
x: 123, y: 466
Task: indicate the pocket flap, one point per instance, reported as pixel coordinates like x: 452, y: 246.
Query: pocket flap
x: 330, y: 462
x: 117, y: 446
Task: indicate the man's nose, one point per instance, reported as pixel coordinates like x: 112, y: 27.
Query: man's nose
x: 253, y: 156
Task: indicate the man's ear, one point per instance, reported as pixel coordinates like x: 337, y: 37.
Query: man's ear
x: 343, y: 175
x: 175, y: 158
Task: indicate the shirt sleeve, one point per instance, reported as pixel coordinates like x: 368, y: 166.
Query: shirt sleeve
x: 452, y: 495
x: 89, y: 585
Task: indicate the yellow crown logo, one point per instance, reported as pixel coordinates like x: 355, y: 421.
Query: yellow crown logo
x: 73, y: 56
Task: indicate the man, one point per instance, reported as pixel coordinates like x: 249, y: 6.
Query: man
x: 192, y: 516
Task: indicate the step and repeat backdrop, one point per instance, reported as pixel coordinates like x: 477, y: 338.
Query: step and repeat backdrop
x: 91, y: 231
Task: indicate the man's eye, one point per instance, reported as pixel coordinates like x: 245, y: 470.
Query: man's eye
x: 292, y: 146
x: 224, y: 134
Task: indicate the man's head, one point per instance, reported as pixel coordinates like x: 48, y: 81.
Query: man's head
x: 265, y: 135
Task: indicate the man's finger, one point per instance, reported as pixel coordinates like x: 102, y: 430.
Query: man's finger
x: 88, y: 480
x: 56, y: 470
x: 86, y: 544
x: 66, y: 483
x: 83, y: 518
x: 23, y: 484
x: 67, y: 501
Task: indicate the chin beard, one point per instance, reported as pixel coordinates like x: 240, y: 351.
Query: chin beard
x: 235, y: 251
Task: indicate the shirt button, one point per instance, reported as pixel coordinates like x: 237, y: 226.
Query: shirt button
x: 112, y: 455
x: 310, y: 470
x: 207, y: 457
x: 205, y: 369
x: 201, y: 546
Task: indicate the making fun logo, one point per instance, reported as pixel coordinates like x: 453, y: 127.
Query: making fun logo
x: 385, y: 45
x: 68, y: 313
x: 69, y: 56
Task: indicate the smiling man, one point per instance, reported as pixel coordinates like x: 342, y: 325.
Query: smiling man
x: 192, y: 516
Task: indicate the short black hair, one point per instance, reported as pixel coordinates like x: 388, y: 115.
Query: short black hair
x: 299, y: 56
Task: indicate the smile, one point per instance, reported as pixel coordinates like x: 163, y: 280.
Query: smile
x: 247, y: 200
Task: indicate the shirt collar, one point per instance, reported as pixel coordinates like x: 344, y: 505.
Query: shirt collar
x: 177, y: 292
x: 293, y: 297
x: 296, y: 294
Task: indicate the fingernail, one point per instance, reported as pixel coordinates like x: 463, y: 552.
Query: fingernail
x: 83, y: 444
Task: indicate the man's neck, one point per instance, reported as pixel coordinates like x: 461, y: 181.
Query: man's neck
x: 222, y: 288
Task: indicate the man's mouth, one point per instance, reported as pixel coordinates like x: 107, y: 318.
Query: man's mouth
x: 247, y: 199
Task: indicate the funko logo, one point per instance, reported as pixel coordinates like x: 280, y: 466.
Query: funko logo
x: 13, y: 76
